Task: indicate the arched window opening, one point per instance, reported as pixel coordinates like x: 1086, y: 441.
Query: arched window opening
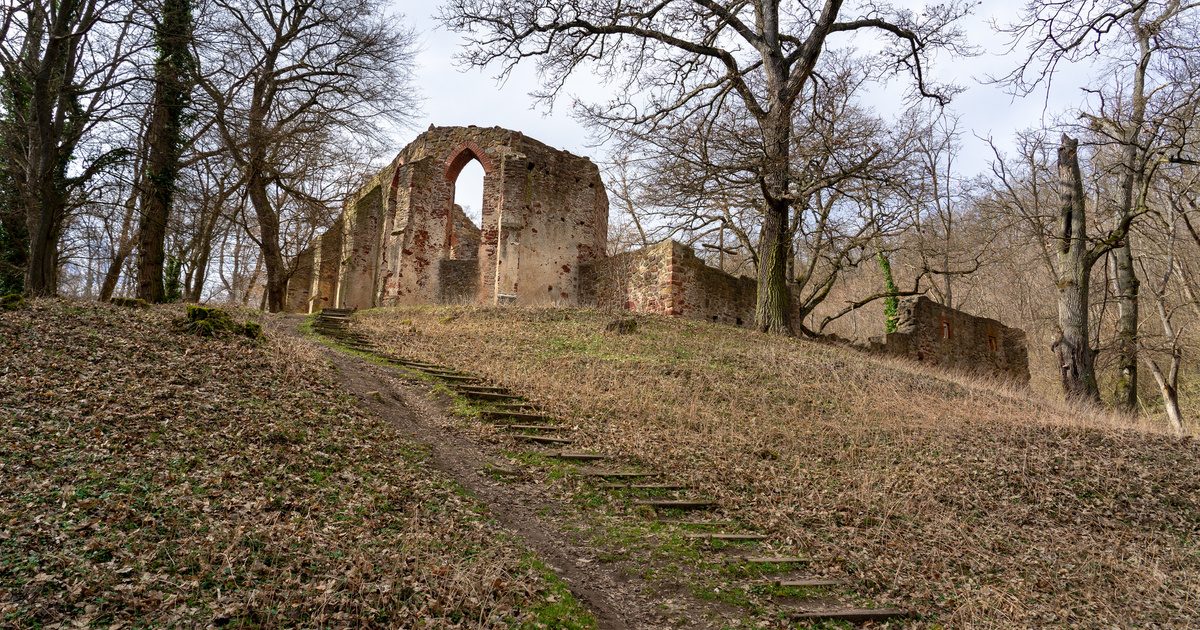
x: 467, y: 212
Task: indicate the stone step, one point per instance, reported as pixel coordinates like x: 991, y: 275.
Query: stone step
x: 729, y: 537
x: 619, y: 474
x: 577, y: 457
x: 677, y: 504
x: 514, y: 415
x: 849, y: 614
x: 543, y: 439
x: 642, y: 486
x: 811, y: 583
x: 686, y: 523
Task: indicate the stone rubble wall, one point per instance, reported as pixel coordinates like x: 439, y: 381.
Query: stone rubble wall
x: 935, y: 334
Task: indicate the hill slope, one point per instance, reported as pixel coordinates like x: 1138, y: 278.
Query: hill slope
x: 975, y: 505
x: 162, y: 479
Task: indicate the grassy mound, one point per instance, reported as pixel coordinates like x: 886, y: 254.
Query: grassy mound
x: 974, y: 504
x: 157, y: 479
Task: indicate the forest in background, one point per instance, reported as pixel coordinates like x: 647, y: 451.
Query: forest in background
x: 181, y: 150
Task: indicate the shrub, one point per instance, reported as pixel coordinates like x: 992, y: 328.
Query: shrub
x: 12, y: 302
x: 207, y: 321
x: 130, y: 302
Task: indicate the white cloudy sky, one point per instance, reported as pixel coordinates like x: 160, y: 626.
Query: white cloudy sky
x: 456, y: 97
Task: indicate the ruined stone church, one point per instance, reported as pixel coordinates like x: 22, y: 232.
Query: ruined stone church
x: 541, y: 241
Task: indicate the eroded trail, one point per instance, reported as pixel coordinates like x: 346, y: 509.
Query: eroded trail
x: 614, y: 592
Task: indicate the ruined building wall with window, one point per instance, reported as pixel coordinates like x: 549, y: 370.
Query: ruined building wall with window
x: 541, y: 241
x: 402, y: 240
x: 936, y: 334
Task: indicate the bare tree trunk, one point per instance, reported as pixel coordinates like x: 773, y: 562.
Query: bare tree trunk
x: 272, y: 256
x: 1125, y: 277
x: 124, y: 247
x: 1073, y: 348
x: 773, y: 308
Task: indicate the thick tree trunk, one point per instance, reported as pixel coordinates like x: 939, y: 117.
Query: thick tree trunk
x: 172, y: 85
x: 1073, y: 348
x: 41, y: 273
x: 268, y: 225
x: 1126, y: 350
x: 773, y: 307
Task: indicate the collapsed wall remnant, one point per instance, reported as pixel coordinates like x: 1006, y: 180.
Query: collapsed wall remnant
x: 401, y: 240
x: 669, y: 279
x: 939, y: 335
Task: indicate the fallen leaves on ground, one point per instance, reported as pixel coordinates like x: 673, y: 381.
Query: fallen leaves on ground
x: 156, y: 478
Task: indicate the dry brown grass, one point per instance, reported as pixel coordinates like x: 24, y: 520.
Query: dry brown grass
x: 159, y: 479
x: 976, y: 504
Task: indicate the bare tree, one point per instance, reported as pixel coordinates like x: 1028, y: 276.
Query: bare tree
x: 1152, y: 37
x: 64, y: 63
x: 688, y: 62
x: 1076, y: 257
x: 287, y: 79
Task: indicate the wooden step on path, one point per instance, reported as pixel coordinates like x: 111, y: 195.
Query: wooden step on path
x: 768, y: 559
x: 643, y: 486
x: 486, y: 395
x: 481, y: 388
x: 454, y: 378
x: 727, y: 537
x: 619, y: 474
x: 542, y: 439
x: 849, y: 614
x: 577, y: 456
x: 536, y: 427
x: 496, y: 416
x: 811, y: 583
x: 677, y: 504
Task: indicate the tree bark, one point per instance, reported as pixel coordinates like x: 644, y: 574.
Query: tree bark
x: 172, y: 87
x: 268, y: 225
x: 772, y: 310
x: 1073, y: 349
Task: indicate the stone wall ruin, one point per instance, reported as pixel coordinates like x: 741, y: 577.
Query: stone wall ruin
x: 544, y: 214
x: 541, y: 241
x: 938, y: 335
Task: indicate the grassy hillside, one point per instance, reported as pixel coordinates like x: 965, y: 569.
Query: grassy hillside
x: 974, y: 504
x: 155, y: 478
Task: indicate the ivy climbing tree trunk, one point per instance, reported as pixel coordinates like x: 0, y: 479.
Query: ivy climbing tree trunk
x: 173, y: 81
x: 891, y: 304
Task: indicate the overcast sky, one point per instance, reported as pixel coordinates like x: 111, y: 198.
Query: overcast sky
x: 456, y: 97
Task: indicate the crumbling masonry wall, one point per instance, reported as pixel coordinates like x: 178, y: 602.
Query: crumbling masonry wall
x: 939, y: 335
x: 544, y: 215
x: 669, y: 279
